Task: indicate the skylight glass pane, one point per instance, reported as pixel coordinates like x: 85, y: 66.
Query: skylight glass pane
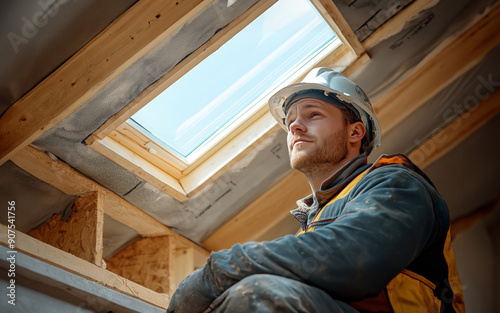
x: 225, y: 84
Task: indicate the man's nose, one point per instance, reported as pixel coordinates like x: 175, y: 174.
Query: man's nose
x: 298, y: 125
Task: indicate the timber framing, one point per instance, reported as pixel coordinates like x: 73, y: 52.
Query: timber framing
x: 444, y: 140
x: 76, y: 265
x: 151, y: 267
x: 81, y: 234
x: 63, y: 177
x: 149, y: 262
x: 447, y: 62
x: 122, y: 43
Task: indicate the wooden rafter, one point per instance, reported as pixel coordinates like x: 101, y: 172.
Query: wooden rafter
x: 127, y: 39
x: 460, y: 129
x: 337, y: 22
x: 80, y: 267
x: 452, y: 59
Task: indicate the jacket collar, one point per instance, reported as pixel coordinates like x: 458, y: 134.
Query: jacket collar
x: 330, y: 187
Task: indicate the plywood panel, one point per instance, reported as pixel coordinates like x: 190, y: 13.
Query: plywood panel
x: 149, y: 262
x: 81, y: 234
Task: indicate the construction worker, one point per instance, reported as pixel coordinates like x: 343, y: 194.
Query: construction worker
x: 374, y: 237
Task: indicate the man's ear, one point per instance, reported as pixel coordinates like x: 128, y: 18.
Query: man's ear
x: 357, y: 131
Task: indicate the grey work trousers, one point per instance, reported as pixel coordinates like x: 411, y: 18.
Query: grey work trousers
x: 270, y: 293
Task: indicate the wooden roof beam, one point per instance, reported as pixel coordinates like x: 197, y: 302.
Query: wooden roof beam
x: 457, y: 131
x: 337, y: 22
x: 122, y: 43
x: 446, y: 63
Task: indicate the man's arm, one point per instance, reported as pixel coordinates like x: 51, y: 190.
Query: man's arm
x: 388, y: 221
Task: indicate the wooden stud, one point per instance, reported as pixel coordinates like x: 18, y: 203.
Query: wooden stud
x: 184, y: 264
x: 397, y: 22
x: 80, y: 267
x: 81, y: 234
x: 262, y: 214
x: 126, y: 40
x: 149, y: 262
x: 434, y: 73
x: 456, y: 132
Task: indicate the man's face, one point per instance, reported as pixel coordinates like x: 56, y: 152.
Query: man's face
x: 317, y: 134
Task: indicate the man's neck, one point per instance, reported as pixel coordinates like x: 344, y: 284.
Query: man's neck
x: 322, y: 172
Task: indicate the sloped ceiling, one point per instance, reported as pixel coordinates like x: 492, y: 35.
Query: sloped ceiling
x: 33, y: 47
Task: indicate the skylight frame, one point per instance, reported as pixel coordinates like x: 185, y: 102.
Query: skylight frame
x: 306, y: 35
x: 116, y: 142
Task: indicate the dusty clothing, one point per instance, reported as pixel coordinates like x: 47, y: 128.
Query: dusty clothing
x: 362, y: 246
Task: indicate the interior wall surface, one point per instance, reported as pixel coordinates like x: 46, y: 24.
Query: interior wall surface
x: 54, y: 30
x: 475, y: 256
x: 467, y: 177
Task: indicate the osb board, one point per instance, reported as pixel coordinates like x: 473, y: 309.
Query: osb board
x: 148, y: 262
x: 81, y: 234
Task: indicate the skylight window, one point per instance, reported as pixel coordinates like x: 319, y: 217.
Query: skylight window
x: 232, y: 83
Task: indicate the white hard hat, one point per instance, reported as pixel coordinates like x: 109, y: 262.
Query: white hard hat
x: 332, y: 83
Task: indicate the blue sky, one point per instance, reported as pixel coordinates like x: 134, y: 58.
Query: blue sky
x: 216, y: 90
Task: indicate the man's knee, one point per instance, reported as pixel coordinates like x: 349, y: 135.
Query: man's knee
x: 260, y: 288
x: 271, y: 293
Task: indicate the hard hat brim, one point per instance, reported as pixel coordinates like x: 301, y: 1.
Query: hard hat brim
x: 278, y: 99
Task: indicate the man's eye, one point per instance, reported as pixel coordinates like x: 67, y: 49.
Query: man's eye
x: 315, y: 114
